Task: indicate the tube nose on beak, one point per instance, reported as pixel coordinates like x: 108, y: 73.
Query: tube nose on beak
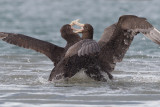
x: 77, y: 30
x: 76, y: 22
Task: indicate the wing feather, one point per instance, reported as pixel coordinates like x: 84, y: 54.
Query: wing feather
x: 153, y: 35
x: 107, y: 35
x: 83, y: 47
x: 50, y: 50
x: 117, y: 38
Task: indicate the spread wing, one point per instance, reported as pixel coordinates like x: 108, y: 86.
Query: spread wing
x: 107, y: 35
x: 83, y: 47
x: 50, y: 50
x: 117, y: 38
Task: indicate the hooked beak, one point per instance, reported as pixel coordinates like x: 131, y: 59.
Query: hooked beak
x: 77, y: 30
x: 76, y: 22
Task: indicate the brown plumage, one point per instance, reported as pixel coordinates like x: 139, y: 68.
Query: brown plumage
x: 117, y: 38
x: 110, y: 49
x: 68, y: 34
x: 87, y: 32
x: 52, y: 51
x: 81, y: 55
x: 84, y: 53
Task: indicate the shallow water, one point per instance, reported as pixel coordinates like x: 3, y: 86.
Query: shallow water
x: 24, y: 73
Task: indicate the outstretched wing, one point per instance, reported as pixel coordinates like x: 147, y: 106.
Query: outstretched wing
x: 136, y: 25
x: 117, y: 38
x: 83, y: 47
x: 107, y: 35
x: 50, y: 50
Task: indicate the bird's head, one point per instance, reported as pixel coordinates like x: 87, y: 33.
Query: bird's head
x: 86, y: 30
x: 66, y: 30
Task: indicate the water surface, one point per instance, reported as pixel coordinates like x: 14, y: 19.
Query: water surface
x: 24, y: 73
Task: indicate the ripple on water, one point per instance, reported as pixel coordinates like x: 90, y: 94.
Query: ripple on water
x: 24, y: 73
x: 26, y: 82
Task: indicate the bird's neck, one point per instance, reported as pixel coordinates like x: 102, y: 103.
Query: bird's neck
x: 74, y: 38
x: 87, y: 35
x: 71, y: 37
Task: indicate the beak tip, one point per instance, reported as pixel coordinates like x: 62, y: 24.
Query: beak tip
x: 78, y: 31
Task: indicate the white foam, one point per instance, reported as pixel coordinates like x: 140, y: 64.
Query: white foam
x: 79, y: 77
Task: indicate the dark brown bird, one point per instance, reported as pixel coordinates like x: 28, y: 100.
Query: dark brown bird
x: 97, y: 58
x: 52, y: 51
x: 101, y: 57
